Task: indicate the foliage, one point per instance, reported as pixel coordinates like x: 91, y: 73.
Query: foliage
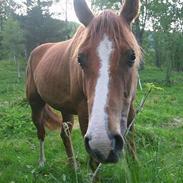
x: 12, y: 42
x: 37, y: 26
x: 167, y: 25
x: 152, y: 86
x: 13, y: 38
x: 39, y: 22
x: 7, y: 9
x: 44, y: 27
x: 98, y: 5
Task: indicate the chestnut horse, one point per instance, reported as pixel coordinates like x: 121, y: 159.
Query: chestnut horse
x: 93, y: 75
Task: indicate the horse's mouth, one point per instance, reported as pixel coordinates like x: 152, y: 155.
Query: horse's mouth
x: 112, y: 155
x: 112, y: 158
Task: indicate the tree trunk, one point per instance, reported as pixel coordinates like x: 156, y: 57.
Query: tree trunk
x: 18, y: 67
x: 168, y: 70
x: 138, y: 32
x: 157, y: 52
x: 139, y: 36
x: 26, y: 54
x: 157, y: 55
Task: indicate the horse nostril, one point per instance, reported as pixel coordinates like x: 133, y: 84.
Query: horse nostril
x: 87, y: 139
x: 117, y: 143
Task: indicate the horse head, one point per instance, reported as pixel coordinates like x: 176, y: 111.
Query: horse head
x: 108, y: 55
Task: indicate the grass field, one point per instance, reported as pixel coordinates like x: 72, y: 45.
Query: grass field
x: 159, y: 138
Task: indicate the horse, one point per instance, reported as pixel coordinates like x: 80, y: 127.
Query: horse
x: 92, y: 75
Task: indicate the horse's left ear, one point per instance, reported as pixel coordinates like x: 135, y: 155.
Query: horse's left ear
x: 130, y: 10
x: 83, y: 12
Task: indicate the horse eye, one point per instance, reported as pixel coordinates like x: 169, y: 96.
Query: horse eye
x: 82, y: 59
x: 131, y: 57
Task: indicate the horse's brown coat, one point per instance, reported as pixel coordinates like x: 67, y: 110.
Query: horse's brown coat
x: 54, y: 77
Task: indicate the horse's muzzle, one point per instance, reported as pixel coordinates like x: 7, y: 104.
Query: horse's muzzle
x: 114, y: 151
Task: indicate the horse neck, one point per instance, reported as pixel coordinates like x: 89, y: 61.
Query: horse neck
x: 75, y: 71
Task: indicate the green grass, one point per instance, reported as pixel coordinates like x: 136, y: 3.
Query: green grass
x: 159, y: 138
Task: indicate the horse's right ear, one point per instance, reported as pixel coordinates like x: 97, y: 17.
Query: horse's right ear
x: 130, y: 10
x: 83, y: 12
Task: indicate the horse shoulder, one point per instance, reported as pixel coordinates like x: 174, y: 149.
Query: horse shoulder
x: 37, y: 54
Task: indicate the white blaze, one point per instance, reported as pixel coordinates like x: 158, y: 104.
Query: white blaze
x: 98, y: 120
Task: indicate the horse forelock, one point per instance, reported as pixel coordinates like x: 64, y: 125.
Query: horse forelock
x: 112, y: 25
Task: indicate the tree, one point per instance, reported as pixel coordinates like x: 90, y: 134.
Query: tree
x: 40, y: 27
x: 7, y: 9
x: 12, y: 41
x: 98, y: 5
x: 168, y: 25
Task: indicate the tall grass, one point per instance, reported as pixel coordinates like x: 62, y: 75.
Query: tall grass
x: 159, y: 139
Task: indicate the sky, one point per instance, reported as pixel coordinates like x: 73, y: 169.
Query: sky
x: 59, y: 9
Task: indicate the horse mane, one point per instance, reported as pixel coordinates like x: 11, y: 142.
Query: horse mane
x: 111, y: 24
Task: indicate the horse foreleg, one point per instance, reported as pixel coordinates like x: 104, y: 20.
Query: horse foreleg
x: 67, y: 118
x: 41, y: 137
x: 42, y: 158
x: 37, y: 117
